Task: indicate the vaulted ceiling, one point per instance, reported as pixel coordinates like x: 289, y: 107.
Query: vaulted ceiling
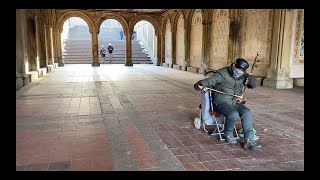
x: 152, y: 11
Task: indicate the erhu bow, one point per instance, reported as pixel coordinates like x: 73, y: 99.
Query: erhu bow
x: 243, y: 100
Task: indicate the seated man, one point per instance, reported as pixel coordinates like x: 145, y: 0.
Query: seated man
x: 231, y: 80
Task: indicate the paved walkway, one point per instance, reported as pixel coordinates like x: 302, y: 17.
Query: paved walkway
x: 122, y: 118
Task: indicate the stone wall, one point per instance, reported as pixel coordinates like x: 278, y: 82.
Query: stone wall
x: 196, y: 40
x: 180, y: 58
x: 219, y: 39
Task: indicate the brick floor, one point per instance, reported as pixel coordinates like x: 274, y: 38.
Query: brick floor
x: 140, y: 118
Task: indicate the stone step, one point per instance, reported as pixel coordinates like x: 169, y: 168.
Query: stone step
x: 115, y: 58
x: 104, y: 40
x: 77, y: 49
x: 88, y: 52
x: 87, y: 48
x: 113, y: 62
x: 76, y: 44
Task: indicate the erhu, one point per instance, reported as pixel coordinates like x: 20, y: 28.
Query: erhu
x: 241, y: 99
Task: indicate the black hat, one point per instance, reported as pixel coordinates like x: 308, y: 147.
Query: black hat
x: 241, y: 63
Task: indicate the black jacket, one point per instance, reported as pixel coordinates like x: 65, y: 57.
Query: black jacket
x: 224, y: 81
x: 110, y: 49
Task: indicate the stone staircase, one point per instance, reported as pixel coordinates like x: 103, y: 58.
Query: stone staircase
x: 77, y: 48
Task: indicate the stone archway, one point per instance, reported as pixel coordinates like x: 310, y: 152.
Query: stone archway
x: 150, y: 19
x: 156, y: 27
x: 110, y: 34
x: 115, y: 17
x: 78, y: 14
x: 59, y: 27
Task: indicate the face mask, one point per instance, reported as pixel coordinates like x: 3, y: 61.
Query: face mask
x: 237, y: 72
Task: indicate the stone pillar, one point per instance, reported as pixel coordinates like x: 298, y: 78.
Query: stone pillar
x: 41, y: 40
x: 55, y: 45
x: 205, y: 48
x: 187, y: 34
x: 174, y: 48
x: 128, y: 49
x: 279, y: 70
x: 21, y: 46
x: 59, y: 49
x: 159, y: 39
x: 163, y: 55
x: 31, y: 41
x: 36, y: 19
x: 95, y: 57
x: 48, y: 45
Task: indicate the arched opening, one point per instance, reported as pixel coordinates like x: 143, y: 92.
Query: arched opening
x: 76, y: 42
x: 112, y: 33
x: 144, y: 43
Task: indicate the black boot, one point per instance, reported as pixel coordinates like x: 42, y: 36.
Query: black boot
x: 252, y: 145
x: 230, y: 138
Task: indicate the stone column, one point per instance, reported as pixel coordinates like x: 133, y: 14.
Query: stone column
x: 55, y: 45
x: 59, y: 49
x: 48, y: 45
x: 41, y: 40
x: 187, y: 34
x: 174, y: 48
x: 159, y: 50
x: 129, y: 49
x: 36, y: 19
x: 163, y: 54
x: 21, y: 47
x: 31, y: 40
x: 279, y: 70
x: 95, y: 57
x: 205, y: 47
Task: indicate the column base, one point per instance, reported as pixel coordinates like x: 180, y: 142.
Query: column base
x: 184, y: 68
x: 177, y: 66
x: 19, y: 83
x: 95, y: 64
x: 201, y: 70
x: 42, y: 71
x: 25, y: 79
x: 278, y: 84
x: 298, y: 81
x: 128, y: 64
x: 50, y: 67
x: 33, y: 75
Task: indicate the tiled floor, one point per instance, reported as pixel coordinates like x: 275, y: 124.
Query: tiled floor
x: 118, y: 118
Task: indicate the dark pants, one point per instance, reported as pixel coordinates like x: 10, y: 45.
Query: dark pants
x: 233, y: 113
x: 110, y: 56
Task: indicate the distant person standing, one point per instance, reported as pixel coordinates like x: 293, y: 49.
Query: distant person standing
x: 134, y: 35
x: 103, y: 53
x: 110, y: 49
x: 121, y: 35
